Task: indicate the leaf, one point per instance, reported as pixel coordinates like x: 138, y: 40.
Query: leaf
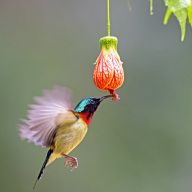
x: 181, y: 16
x: 175, y: 5
x: 167, y: 16
x: 190, y: 14
x: 181, y: 9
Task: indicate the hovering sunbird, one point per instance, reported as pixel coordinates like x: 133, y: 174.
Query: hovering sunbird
x: 53, y: 123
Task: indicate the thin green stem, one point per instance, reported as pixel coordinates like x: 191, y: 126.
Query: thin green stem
x: 108, y: 18
x: 151, y: 7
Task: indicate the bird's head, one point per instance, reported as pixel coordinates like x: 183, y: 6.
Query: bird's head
x: 88, y: 106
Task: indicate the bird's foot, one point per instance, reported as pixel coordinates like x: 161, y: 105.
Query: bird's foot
x: 72, y: 162
x: 115, y: 96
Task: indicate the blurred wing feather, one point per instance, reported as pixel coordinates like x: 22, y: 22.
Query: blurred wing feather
x: 44, y: 117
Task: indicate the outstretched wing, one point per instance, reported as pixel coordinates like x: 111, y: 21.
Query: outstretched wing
x: 42, y: 119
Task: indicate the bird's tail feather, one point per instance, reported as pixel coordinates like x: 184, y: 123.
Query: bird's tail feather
x: 53, y: 157
x: 43, y: 166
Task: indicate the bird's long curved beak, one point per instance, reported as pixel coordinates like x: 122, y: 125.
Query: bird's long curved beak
x: 105, y: 97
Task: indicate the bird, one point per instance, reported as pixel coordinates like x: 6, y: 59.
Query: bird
x: 54, y: 123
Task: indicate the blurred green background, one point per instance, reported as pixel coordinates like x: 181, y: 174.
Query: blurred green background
x: 141, y: 144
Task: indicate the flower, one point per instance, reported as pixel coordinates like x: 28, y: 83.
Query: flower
x: 108, y: 72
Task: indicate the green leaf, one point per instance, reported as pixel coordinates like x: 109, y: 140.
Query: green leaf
x: 167, y: 16
x: 190, y: 14
x: 181, y: 16
x: 175, y: 5
x: 181, y: 9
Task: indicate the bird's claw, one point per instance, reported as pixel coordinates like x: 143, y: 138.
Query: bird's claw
x: 72, y: 162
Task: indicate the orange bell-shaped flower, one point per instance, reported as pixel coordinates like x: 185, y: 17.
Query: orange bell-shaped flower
x: 108, y: 73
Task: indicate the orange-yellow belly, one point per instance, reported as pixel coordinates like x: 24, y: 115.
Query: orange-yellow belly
x: 69, y: 136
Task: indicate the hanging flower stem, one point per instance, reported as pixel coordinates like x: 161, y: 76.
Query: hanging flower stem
x: 108, y: 19
x: 151, y: 7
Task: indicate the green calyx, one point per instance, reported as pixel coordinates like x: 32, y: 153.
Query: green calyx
x: 108, y: 42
